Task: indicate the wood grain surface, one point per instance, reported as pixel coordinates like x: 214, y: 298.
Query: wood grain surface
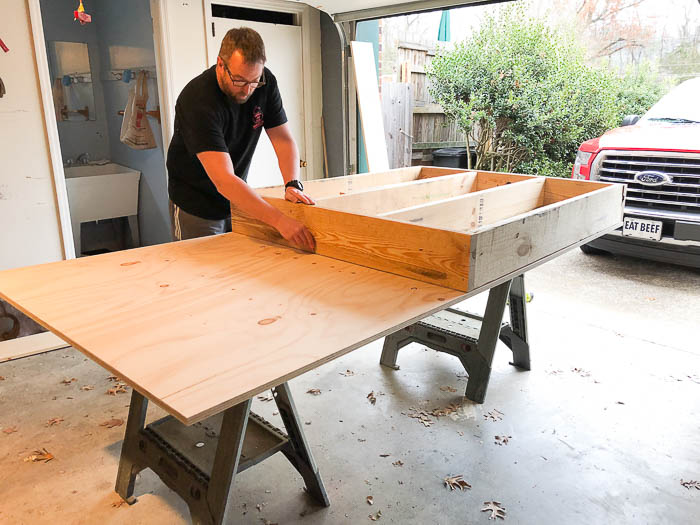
x: 402, y: 195
x: 200, y: 325
x: 432, y: 255
x: 531, y: 238
x: 474, y: 210
x: 336, y: 186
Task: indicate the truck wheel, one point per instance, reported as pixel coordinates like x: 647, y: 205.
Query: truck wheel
x: 590, y: 250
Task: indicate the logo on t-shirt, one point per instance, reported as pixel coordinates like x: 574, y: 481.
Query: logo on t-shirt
x: 257, y: 117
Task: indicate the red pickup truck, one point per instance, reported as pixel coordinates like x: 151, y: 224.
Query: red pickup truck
x: 657, y: 157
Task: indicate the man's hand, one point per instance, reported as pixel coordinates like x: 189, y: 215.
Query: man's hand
x: 296, y: 232
x: 294, y: 195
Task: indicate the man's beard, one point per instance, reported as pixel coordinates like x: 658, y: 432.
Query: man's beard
x: 238, y: 99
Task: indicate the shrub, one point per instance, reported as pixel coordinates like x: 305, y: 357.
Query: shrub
x: 525, y: 96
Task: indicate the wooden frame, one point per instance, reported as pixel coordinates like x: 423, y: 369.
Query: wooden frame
x: 459, y: 229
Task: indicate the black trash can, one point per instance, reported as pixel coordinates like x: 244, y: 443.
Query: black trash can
x: 450, y: 158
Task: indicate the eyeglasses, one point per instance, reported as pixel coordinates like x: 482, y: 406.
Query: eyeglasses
x: 243, y: 83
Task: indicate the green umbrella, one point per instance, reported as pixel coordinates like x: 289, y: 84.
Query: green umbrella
x: 444, y: 31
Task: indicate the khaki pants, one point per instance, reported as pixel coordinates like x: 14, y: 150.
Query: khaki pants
x: 188, y: 226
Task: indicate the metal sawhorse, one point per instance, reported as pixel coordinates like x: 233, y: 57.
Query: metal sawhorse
x: 200, y: 462
x: 470, y: 337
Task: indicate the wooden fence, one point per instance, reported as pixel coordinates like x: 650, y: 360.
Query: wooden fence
x: 431, y: 128
x: 397, y: 107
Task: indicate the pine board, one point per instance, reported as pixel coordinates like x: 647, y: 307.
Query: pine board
x: 30, y: 345
x: 200, y: 325
x: 424, y: 224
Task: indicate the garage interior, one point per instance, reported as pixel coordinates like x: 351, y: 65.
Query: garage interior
x: 602, y: 429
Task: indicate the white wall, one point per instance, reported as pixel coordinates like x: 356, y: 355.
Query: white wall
x: 29, y: 224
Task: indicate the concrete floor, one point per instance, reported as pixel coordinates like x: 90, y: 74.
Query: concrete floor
x: 602, y: 429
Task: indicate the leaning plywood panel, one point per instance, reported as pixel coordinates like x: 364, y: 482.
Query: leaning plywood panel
x: 370, y: 105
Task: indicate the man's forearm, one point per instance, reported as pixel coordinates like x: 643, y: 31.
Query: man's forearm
x: 288, y: 161
x: 219, y: 168
x: 244, y: 198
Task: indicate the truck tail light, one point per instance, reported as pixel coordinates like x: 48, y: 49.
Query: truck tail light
x: 582, y: 169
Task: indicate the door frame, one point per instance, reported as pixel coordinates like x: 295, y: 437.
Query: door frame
x: 311, y: 59
x: 309, y: 21
x: 51, y: 126
x: 163, y: 60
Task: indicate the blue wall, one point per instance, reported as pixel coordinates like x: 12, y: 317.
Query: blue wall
x: 125, y: 34
x: 86, y: 136
x: 120, y: 36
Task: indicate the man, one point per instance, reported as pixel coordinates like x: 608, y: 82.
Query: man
x: 218, y: 119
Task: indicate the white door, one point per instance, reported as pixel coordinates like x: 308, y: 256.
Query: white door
x: 283, y: 51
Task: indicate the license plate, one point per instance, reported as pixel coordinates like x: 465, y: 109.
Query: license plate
x: 642, y: 228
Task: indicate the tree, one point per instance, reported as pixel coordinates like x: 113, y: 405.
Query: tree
x: 609, y: 27
x: 683, y: 61
x: 523, y: 94
x: 525, y: 97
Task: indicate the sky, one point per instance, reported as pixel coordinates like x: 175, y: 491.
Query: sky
x: 668, y: 14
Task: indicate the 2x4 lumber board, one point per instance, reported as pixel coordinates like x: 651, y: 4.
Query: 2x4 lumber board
x: 490, y: 179
x: 427, y: 254
x: 370, y: 105
x: 198, y: 326
x: 519, y: 241
x: 474, y: 210
x: 338, y: 186
x: 557, y: 190
x: 403, y: 195
x: 30, y: 345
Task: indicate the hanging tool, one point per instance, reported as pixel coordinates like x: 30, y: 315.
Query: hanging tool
x: 81, y: 16
x: 3, y: 46
x: 2, y: 88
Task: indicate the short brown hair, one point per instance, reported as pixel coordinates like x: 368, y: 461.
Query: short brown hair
x: 245, y: 40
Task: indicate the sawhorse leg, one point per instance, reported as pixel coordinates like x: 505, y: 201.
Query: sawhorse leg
x: 299, y: 452
x: 129, y: 465
x: 228, y: 454
x: 207, y: 493
x: 480, y: 368
x: 471, y: 338
x: 515, y: 334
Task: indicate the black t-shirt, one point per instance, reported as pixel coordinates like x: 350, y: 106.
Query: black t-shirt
x: 206, y: 119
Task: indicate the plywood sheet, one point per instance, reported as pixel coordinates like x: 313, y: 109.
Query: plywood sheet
x: 370, y: 105
x: 200, y: 325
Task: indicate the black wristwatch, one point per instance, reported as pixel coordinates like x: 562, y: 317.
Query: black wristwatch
x: 294, y: 184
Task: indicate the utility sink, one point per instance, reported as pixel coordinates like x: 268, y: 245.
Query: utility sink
x: 106, y: 191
